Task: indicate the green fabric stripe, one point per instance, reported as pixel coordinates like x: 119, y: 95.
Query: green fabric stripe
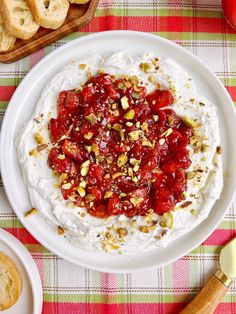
x: 135, y: 298
x: 207, y: 249
x: 37, y: 248
x: 157, y: 12
x: 3, y: 104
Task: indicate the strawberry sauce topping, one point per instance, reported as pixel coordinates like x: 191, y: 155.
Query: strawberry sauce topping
x: 117, y: 150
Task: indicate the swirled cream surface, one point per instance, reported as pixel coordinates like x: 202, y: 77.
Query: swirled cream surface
x: 205, y: 175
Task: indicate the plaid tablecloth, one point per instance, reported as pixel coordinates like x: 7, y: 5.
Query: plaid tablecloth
x: 199, y: 26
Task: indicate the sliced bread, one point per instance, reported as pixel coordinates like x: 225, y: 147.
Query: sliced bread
x: 49, y: 13
x: 6, y: 40
x: 79, y: 1
x: 10, y: 282
x: 18, y: 18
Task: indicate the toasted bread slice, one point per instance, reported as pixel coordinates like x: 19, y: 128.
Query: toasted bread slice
x: 79, y: 1
x: 6, y: 40
x: 10, y: 282
x: 49, y: 13
x: 18, y: 18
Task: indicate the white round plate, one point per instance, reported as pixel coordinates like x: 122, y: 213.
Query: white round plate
x: 23, y: 104
x: 31, y: 298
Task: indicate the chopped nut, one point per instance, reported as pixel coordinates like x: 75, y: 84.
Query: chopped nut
x: 191, y: 175
x: 194, y: 212
x: 66, y: 186
x: 205, y: 148
x: 134, y: 135
x: 136, y: 200
x: 170, y: 120
x: 136, y: 168
x: 83, y: 184
x: 38, y: 138
x: 91, y: 118
x: 60, y: 230
x: 122, y: 160
x: 129, y: 115
x: 129, y: 123
x: 124, y: 102
x: 169, y: 220
x: 116, y: 175
x: 88, y: 148
x: 88, y: 135
x: 147, y: 67
x: 133, y: 223
x: 134, y: 161
x: 151, y: 78
x: 144, y: 229
x: 108, y: 194
x: 190, y: 122
x: 82, y: 66
x: 61, y: 156
x: 84, y: 168
x: 31, y: 212
x: 123, y: 194
x: 81, y: 191
x: 219, y: 150
x: 89, y: 197
x: 41, y: 147
x: 167, y: 132
x: 185, y: 204
x: 122, y: 232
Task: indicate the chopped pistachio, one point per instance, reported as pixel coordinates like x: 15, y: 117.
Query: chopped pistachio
x: 116, y: 175
x: 31, y: 212
x: 134, y: 135
x: 136, y: 200
x: 134, y: 161
x: 61, y: 156
x: 191, y: 175
x: 122, y: 160
x: 129, y: 115
x: 190, y: 122
x: 169, y: 220
x: 89, y: 198
x: 66, y: 186
x: 84, y: 168
x: 124, y: 102
x: 82, y: 66
x: 167, y: 132
x: 219, y: 150
x: 144, y: 229
x: 88, y: 148
x: 91, y: 118
x: 81, y: 191
x: 83, y: 184
x: 146, y: 67
x: 205, y: 148
x: 60, y: 230
x: 88, y: 135
x: 108, y: 194
x: 194, y: 212
x: 136, y: 168
x: 41, y: 147
x: 38, y: 138
x: 122, y: 232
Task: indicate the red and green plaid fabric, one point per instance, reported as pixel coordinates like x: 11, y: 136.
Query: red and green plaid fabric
x: 200, y: 27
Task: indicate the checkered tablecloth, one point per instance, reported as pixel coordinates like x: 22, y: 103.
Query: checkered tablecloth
x: 198, y: 26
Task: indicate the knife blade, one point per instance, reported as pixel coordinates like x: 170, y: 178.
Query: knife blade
x: 215, y: 289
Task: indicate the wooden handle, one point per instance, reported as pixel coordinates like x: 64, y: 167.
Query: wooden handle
x: 209, y: 297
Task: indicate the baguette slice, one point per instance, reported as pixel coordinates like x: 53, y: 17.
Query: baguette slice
x: 10, y: 282
x: 49, y: 13
x: 18, y: 18
x: 6, y: 40
x: 79, y: 1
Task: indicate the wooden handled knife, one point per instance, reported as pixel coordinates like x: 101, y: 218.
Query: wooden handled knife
x: 215, y: 289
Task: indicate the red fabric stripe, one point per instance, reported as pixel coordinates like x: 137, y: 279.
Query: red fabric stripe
x: 6, y: 92
x: 23, y: 235
x: 232, y: 91
x: 220, y: 237
x: 137, y: 308
x: 160, y: 24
